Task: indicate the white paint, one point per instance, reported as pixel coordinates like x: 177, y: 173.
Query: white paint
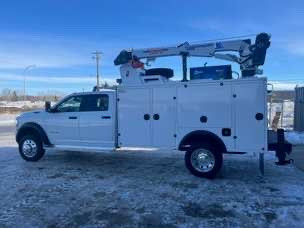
x: 97, y: 128
x: 61, y: 130
x: 133, y: 129
x: 182, y: 116
x: 179, y: 116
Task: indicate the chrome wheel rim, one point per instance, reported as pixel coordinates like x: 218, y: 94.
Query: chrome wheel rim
x: 202, y: 160
x: 29, y: 148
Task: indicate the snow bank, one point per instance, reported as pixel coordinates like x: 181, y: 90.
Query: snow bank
x: 295, y: 137
x: 8, y: 119
x: 21, y: 104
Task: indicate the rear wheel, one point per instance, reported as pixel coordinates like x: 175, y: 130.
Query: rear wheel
x: 31, y: 148
x: 204, y: 160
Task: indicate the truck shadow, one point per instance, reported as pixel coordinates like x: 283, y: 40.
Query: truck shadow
x: 151, y: 165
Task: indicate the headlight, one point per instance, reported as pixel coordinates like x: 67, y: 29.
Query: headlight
x: 17, y: 123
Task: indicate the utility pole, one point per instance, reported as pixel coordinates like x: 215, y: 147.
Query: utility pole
x: 24, y: 78
x: 97, y: 56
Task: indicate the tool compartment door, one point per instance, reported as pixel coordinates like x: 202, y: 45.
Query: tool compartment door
x: 250, y: 116
x: 205, y: 106
x: 164, y: 117
x: 134, y: 117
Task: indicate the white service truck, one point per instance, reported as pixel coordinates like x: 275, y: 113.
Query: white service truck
x: 206, y: 116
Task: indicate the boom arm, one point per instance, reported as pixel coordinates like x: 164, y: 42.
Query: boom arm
x: 198, y: 50
x: 249, y: 56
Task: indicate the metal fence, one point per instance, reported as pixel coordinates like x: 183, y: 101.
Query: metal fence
x: 299, y: 109
x: 281, y: 114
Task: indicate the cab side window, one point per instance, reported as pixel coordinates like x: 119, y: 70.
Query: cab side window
x: 72, y: 104
x: 96, y: 103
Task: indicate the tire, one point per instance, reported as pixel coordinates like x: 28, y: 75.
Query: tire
x: 166, y: 72
x: 206, y: 169
x: 31, y: 148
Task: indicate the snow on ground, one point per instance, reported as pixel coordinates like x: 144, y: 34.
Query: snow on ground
x: 144, y: 189
x: 20, y: 104
x: 295, y: 137
x: 8, y: 119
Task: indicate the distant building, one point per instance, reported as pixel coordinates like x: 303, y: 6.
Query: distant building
x: 299, y: 109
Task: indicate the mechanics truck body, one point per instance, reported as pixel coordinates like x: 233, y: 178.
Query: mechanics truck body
x: 206, y: 116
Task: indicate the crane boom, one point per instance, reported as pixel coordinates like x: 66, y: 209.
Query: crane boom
x: 198, y: 50
x: 248, y: 56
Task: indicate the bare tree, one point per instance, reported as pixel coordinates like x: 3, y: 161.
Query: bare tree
x: 5, y: 94
x: 14, y: 96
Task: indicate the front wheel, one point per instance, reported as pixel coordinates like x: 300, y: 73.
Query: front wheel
x: 204, y: 160
x: 31, y: 148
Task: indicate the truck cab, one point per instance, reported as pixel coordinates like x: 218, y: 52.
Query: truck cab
x: 79, y: 121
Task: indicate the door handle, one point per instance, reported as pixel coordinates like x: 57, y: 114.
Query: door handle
x: 72, y: 117
x: 156, y: 116
x: 106, y: 117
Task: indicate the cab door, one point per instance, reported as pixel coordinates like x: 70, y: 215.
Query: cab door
x: 97, y: 121
x: 62, y: 123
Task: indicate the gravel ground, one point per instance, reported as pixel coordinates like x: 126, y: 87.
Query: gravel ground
x: 144, y: 189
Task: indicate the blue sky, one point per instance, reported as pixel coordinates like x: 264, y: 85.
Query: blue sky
x: 58, y: 37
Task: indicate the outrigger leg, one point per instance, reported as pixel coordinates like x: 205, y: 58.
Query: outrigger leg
x: 281, y: 147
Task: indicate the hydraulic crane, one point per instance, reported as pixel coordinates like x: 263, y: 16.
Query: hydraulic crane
x: 249, y: 56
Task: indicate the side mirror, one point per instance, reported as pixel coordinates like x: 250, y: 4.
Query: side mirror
x: 47, y: 106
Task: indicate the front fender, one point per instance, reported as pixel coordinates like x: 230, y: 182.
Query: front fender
x: 32, y: 128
